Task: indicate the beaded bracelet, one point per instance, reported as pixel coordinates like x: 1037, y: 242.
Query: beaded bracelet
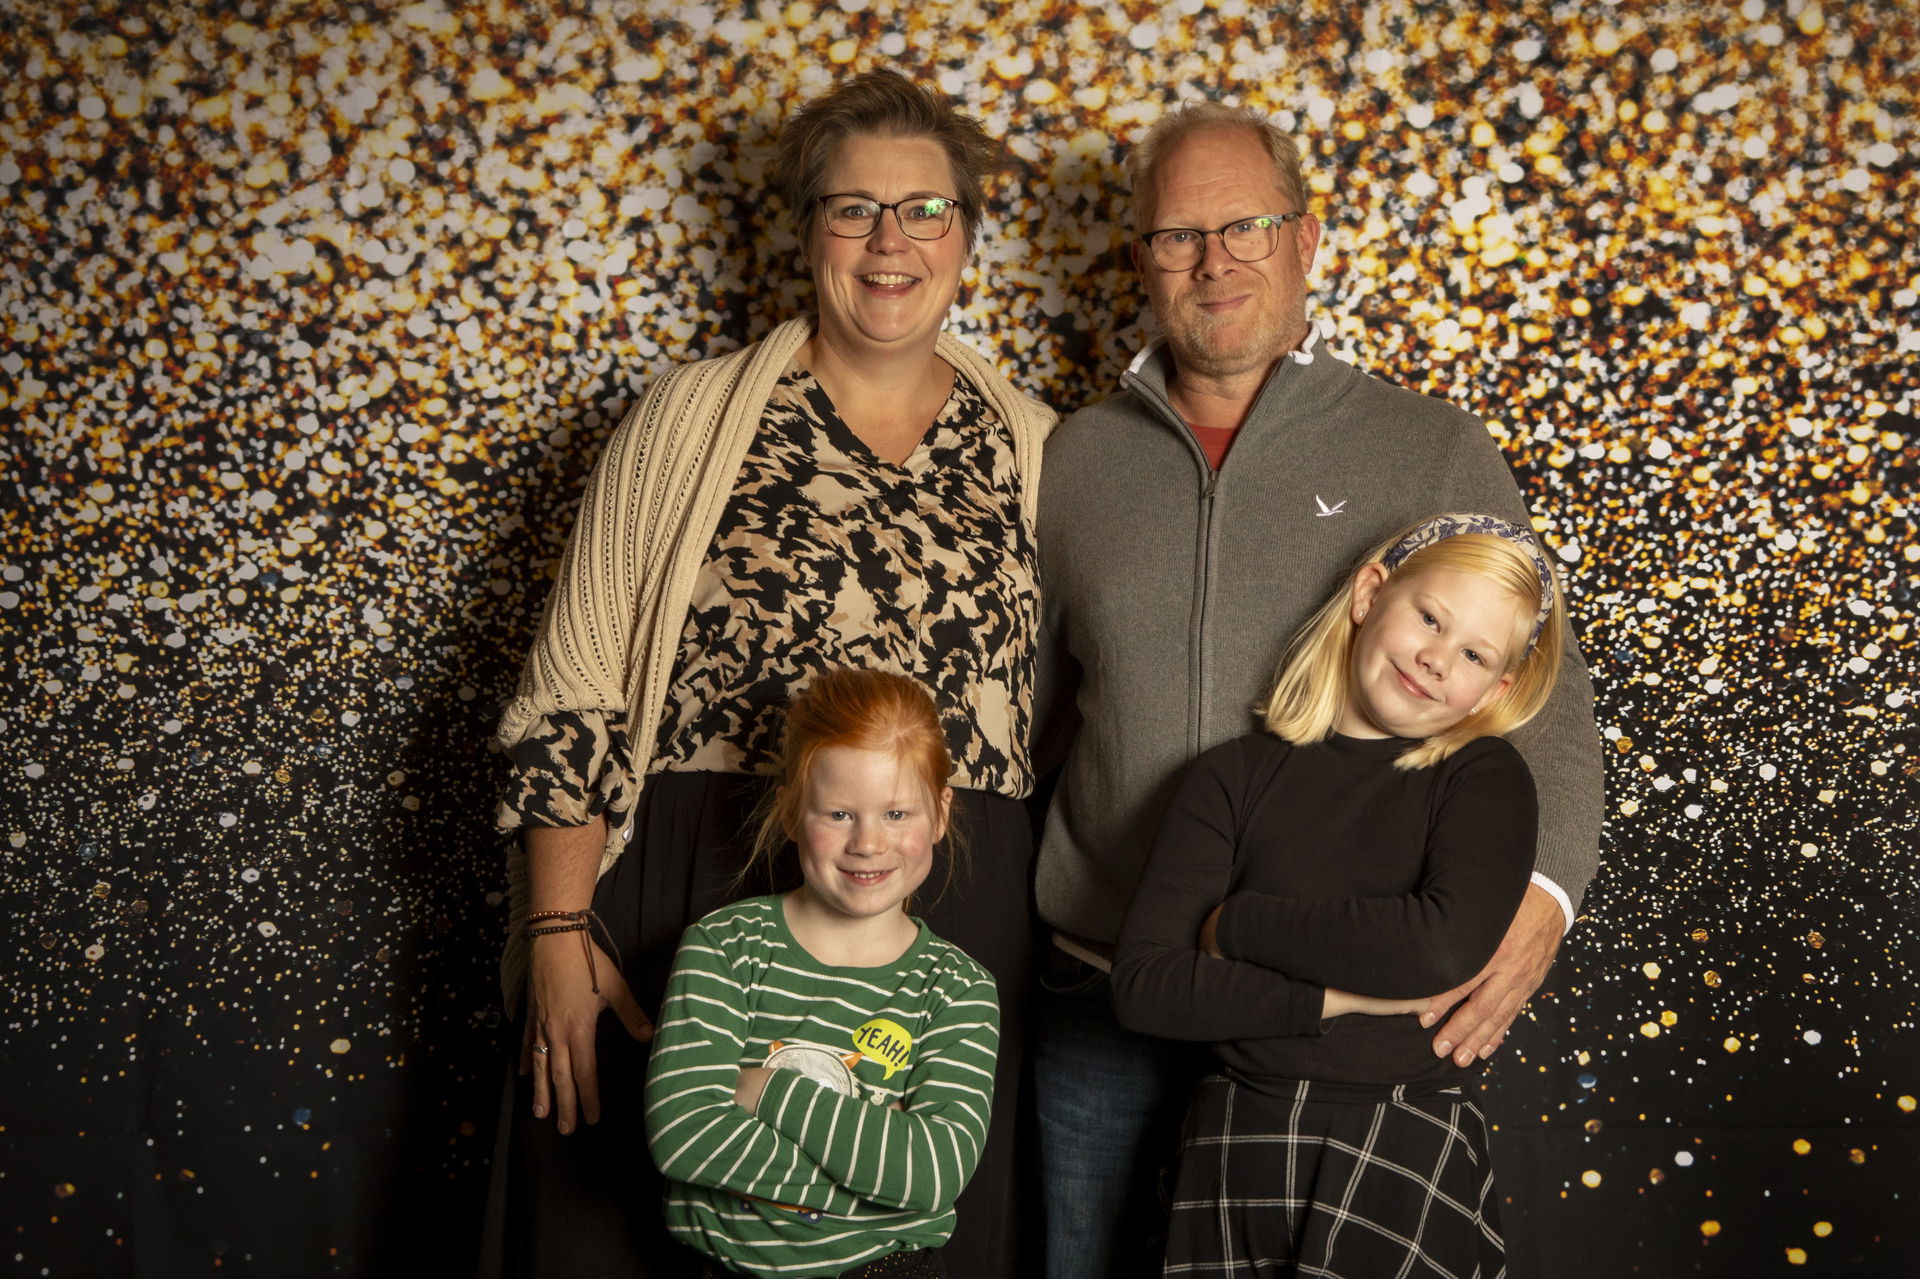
x: 582, y: 922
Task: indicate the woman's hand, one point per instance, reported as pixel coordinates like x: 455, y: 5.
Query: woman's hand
x: 562, y: 1010
x: 563, y: 1014
x: 1338, y: 1003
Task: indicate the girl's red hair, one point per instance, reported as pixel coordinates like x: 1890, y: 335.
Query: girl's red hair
x: 862, y: 709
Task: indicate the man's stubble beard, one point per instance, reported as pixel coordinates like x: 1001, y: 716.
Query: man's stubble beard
x: 1198, y: 349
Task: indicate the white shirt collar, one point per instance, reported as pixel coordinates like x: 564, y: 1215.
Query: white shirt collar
x: 1302, y: 354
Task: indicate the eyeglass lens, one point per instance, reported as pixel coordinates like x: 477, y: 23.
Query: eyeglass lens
x: 1181, y: 248
x: 923, y: 218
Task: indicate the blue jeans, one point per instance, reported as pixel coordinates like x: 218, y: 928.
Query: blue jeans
x: 1109, y: 1104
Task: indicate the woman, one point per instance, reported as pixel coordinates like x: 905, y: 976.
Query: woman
x: 857, y: 488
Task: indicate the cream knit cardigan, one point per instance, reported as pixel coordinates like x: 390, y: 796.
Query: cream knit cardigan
x: 611, y: 628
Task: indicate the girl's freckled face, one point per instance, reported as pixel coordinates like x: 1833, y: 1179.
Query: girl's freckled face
x: 867, y: 831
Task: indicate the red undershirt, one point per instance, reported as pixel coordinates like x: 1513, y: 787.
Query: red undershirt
x: 1214, y: 441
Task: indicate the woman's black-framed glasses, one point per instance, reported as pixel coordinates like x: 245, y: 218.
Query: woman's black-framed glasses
x: 1180, y: 248
x: 855, y: 217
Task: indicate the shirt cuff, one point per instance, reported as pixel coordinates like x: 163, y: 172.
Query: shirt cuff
x: 1558, y: 894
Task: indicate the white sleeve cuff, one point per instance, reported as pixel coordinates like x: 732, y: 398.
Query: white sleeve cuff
x: 1558, y: 894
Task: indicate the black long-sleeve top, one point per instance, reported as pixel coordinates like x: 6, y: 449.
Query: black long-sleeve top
x: 1336, y: 869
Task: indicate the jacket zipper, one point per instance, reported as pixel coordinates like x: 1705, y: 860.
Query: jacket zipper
x: 1203, y: 557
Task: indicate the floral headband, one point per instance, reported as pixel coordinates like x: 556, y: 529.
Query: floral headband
x: 1442, y: 527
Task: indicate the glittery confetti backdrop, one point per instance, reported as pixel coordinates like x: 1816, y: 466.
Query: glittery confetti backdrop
x: 313, y: 316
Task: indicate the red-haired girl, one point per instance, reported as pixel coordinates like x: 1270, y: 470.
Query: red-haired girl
x: 822, y: 1077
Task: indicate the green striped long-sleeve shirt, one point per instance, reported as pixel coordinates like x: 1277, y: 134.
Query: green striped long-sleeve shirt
x: 824, y: 1174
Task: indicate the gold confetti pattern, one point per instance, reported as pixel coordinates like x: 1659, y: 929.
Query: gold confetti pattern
x: 312, y: 318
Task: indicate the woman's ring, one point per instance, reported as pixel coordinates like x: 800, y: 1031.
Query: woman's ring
x: 541, y: 1048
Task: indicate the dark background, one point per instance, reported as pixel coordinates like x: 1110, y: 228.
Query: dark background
x: 313, y: 316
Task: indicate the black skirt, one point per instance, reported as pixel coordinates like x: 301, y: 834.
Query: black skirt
x: 589, y: 1203
x: 1328, y: 1181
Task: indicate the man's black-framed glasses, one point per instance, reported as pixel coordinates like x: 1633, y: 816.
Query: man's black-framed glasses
x: 1180, y: 248
x: 855, y: 217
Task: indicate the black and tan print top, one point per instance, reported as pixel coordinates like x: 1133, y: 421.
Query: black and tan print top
x: 826, y: 555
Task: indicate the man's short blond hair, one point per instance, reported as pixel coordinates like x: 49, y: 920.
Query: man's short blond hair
x: 1144, y: 161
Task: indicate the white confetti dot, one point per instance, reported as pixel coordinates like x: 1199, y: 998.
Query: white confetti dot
x: 1724, y: 97
x: 1684, y: 1158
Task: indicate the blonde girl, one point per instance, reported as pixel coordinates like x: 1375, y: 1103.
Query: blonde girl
x: 822, y: 1077
x: 1312, y: 885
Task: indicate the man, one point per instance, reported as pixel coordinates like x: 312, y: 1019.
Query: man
x: 1188, y: 526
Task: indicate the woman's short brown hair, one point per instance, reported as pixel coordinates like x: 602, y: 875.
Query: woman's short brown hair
x: 881, y: 103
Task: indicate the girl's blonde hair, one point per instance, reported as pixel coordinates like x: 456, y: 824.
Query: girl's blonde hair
x: 865, y: 710
x: 1316, y: 675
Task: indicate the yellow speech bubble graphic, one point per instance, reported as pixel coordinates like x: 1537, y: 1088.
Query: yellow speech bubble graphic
x: 884, y: 1042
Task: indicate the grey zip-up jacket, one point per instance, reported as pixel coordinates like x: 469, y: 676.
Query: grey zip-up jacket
x: 1171, y: 591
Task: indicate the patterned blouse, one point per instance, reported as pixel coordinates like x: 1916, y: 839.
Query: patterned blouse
x: 826, y: 555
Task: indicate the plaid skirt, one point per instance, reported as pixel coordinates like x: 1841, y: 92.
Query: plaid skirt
x: 1328, y: 1181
